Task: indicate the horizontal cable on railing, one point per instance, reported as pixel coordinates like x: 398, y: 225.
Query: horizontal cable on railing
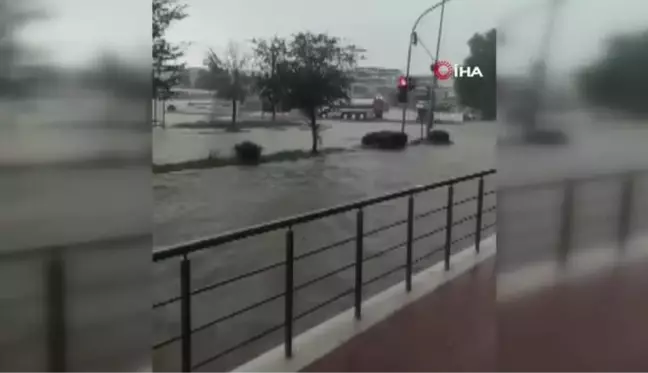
x: 326, y: 275
x: 165, y: 302
x: 471, y: 234
x: 465, y: 200
x: 221, y: 283
x: 167, y: 342
x: 426, y: 256
x: 237, y: 346
x: 323, y: 304
x: 385, y: 227
x: 489, y: 210
x: 237, y: 278
x: 490, y: 192
x: 464, y: 219
x: 324, y: 248
x: 489, y: 226
x: 238, y: 312
x: 431, y: 212
x: 221, y: 319
x: 383, y: 275
x: 384, y: 251
x: 431, y: 233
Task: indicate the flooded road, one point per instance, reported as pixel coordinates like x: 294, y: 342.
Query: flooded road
x: 174, y: 144
x: 194, y: 204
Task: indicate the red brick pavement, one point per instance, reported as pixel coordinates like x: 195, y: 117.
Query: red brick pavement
x: 449, y: 330
x: 596, y: 325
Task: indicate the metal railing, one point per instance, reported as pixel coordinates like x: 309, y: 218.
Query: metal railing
x: 55, y: 272
x: 568, y: 189
x: 288, y: 225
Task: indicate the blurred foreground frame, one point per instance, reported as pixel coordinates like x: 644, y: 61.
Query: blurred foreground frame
x: 75, y: 199
x: 573, y: 203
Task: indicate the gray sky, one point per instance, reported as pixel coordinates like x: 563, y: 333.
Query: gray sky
x: 381, y: 27
x: 78, y: 29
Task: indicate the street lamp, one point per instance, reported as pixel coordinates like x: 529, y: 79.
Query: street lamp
x: 412, y: 38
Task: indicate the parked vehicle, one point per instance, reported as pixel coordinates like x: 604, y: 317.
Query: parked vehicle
x: 356, y: 108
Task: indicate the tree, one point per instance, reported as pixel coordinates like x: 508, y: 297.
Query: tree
x: 271, y: 59
x: 204, y: 80
x: 184, y: 80
x: 167, y: 71
x: 480, y: 93
x: 619, y: 79
x: 19, y: 75
x: 228, y: 77
x: 318, y: 74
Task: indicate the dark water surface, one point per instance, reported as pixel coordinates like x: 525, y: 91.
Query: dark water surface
x: 194, y: 204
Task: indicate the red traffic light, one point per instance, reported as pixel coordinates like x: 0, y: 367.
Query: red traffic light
x: 402, y: 82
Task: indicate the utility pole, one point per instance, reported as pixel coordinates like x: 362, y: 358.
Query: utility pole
x: 409, y: 50
x: 435, y: 83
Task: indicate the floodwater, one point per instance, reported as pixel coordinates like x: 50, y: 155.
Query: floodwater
x: 193, y: 204
x: 172, y: 144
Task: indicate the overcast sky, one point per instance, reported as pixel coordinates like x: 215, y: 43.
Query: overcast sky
x: 79, y: 28
x: 381, y: 27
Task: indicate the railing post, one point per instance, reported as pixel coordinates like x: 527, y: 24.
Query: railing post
x: 56, y: 302
x: 625, y: 212
x: 410, y: 234
x: 449, y: 222
x: 288, y: 307
x: 358, y: 263
x: 480, y: 208
x: 566, y: 222
x: 185, y: 312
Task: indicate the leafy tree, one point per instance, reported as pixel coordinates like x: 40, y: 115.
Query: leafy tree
x: 228, y: 77
x: 480, y: 93
x: 205, y: 79
x: 184, y: 80
x: 619, y: 80
x: 271, y: 60
x: 318, y: 74
x: 167, y: 71
x: 18, y: 78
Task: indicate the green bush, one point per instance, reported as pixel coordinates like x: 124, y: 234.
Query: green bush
x: 248, y: 152
x: 439, y: 137
x: 391, y: 140
x: 545, y: 137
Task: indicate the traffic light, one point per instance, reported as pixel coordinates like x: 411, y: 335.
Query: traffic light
x: 403, y: 88
x: 411, y: 83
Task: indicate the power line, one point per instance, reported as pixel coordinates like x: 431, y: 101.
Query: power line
x: 426, y: 49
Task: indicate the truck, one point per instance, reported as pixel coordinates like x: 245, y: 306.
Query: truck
x: 356, y: 108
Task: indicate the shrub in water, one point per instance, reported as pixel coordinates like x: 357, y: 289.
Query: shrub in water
x: 385, y: 140
x: 546, y: 137
x: 248, y: 152
x: 439, y: 137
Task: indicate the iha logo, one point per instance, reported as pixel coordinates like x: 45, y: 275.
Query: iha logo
x: 444, y: 70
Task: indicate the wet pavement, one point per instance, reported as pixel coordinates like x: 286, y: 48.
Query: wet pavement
x: 194, y: 204
x: 450, y: 330
x: 597, y: 324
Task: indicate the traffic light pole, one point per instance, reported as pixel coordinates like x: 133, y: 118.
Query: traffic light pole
x: 435, y: 85
x: 409, y: 51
